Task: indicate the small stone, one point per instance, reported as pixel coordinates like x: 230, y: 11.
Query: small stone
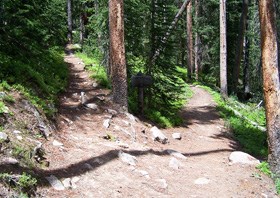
x: 174, y: 163
x: 112, y: 112
x: 144, y: 174
x: 176, y: 154
x: 3, y: 136
x: 106, y: 123
x: 16, y: 132
x: 19, y: 137
x: 177, y: 136
x: 131, y: 117
x: 57, y: 143
x: 202, y: 181
x: 74, y: 180
x: 163, y: 183
x: 127, y: 158
x: 55, y: 183
x: 94, y: 84
x: 9, y: 160
x: 66, y: 183
x: 92, y: 106
x: 87, y: 166
x: 242, y: 158
x: 158, y: 135
x: 2, y: 94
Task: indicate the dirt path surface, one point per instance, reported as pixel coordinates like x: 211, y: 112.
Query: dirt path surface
x: 96, y: 140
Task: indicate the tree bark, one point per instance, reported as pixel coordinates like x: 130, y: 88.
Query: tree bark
x: 117, y: 52
x: 189, y: 40
x: 197, y: 42
x: 246, y: 71
x: 69, y: 21
x: 240, y: 43
x: 271, y: 83
x: 223, y: 49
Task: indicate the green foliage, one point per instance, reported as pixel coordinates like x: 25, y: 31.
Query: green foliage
x: 277, y: 184
x: 3, y: 107
x: 264, y: 167
x: 24, y: 184
x: 98, y: 72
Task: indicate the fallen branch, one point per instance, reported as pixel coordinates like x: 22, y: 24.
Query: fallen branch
x: 263, y: 129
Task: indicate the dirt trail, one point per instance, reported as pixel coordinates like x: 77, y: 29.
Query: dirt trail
x: 205, y: 143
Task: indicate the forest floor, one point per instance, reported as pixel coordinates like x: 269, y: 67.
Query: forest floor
x: 91, y: 162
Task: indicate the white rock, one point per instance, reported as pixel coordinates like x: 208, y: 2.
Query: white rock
x: 176, y: 154
x: 16, y: 132
x: 106, y: 123
x: 94, y: 84
x: 127, y: 158
x: 242, y: 158
x: 57, y: 143
x: 74, y: 180
x: 177, y: 136
x: 131, y: 117
x: 112, y: 112
x: 174, y: 163
x: 163, y: 183
x: 144, y: 173
x: 2, y: 94
x: 9, y: 160
x: 92, y: 106
x: 66, y: 183
x: 19, y: 137
x: 158, y: 135
x: 55, y: 183
x: 202, y: 181
x: 3, y: 136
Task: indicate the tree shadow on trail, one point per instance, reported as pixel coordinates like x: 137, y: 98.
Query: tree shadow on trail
x: 79, y: 168
x: 200, y: 115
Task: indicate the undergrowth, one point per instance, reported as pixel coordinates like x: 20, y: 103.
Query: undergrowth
x: 39, y: 79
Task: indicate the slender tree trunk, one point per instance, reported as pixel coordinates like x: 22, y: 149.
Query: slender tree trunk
x: 271, y: 80
x: 82, y: 24
x: 197, y: 40
x: 189, y: 40
x: 69, y: 20
x: 246, y: 80
x: 117, y: 52
x: 223, y: 49
x: 170, y: 28
x: 153, y: 35
x: 240, y: 43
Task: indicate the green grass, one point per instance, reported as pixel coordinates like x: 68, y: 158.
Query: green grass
x: 98, y: 72
x: 24, y: 184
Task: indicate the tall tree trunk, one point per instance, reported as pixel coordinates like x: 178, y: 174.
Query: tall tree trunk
x: 69, y: 21
x: 246, y: 71
x: 117, y: 52
x: 223, y: 49
x: 82, y: 23
x: 271, y: 80
x: 197, y: 41
x: 153, y: 36
x: 240, y: 43
x: 189, y: 40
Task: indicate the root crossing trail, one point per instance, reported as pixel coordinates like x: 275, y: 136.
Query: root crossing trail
x: 97, y: 145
